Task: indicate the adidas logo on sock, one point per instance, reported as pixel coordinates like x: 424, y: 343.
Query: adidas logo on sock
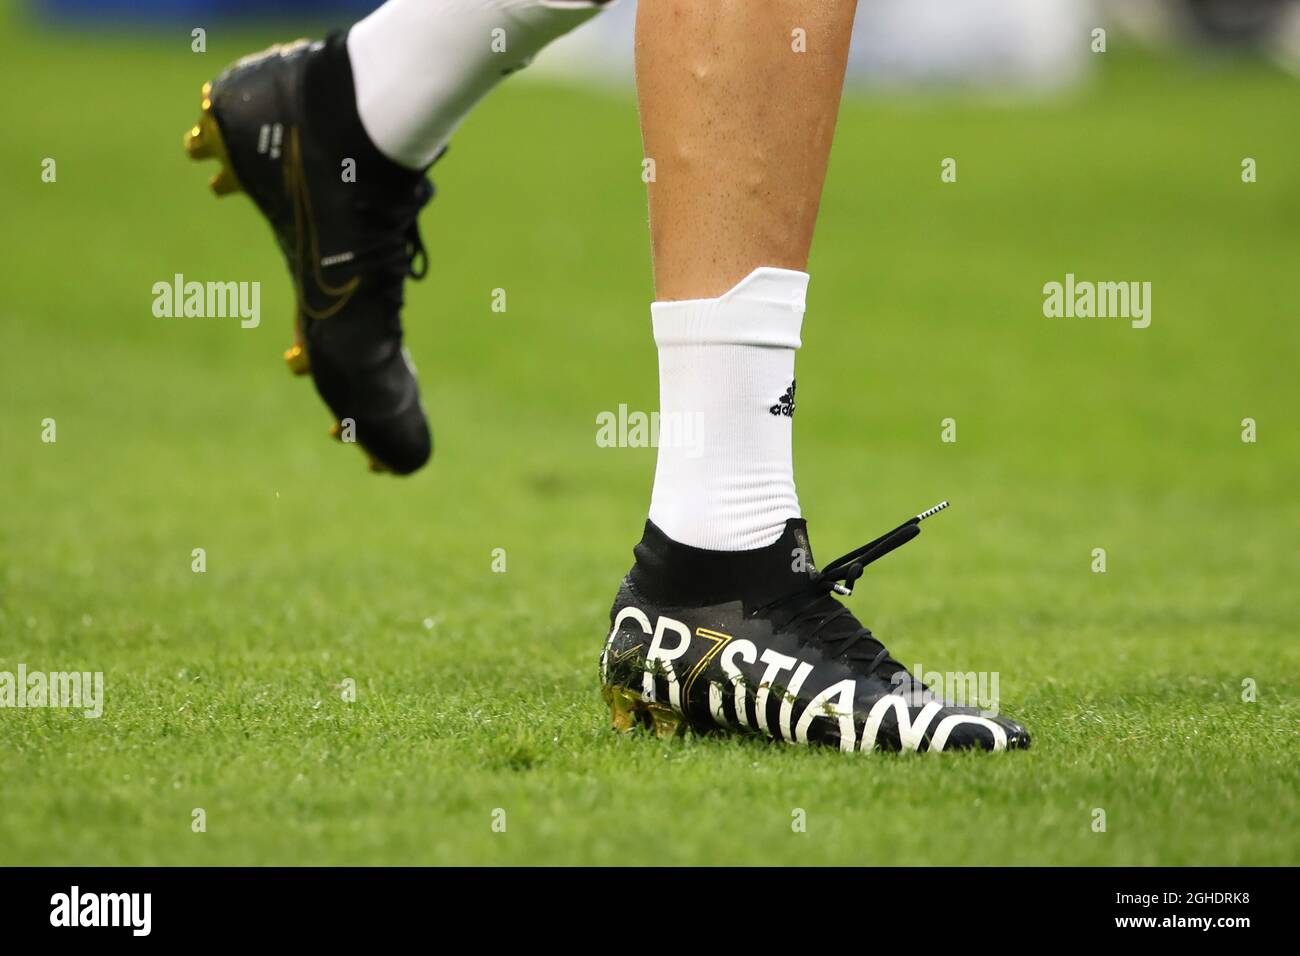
x: 785, y: 404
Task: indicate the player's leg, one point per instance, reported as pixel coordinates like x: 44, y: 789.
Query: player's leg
x: 724, y: 620
x: 420, y: 66
x: 738, y: 105
x: 332, y: 141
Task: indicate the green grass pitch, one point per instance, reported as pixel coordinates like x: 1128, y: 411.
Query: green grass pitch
x: 477, y: 691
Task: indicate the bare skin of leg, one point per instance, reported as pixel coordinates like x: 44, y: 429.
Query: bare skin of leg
x: 739, y: 126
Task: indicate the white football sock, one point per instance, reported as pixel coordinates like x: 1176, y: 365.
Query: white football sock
x: 725, y: 473
x: 419, y: 66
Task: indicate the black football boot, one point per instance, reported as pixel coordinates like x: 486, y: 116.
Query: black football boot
x: 754, y: 642
x: 284, y: 126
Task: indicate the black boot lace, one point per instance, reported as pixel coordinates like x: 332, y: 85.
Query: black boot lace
x: 831, y: 623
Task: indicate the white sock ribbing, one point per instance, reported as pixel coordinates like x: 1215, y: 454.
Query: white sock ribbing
x: 725, y: 474
x: 420, y: 66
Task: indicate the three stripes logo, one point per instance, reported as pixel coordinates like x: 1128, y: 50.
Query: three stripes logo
x: 785, y: 404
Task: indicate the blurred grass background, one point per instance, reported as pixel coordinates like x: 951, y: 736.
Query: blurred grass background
x: 478, y: 690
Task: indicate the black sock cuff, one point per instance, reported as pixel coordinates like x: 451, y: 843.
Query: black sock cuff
x: 669, y: 572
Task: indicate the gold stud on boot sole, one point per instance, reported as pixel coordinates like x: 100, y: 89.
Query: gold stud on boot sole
x: 295, y: 356
x: 373, y: 463
x: 203, y: 141
x: 627, y: 710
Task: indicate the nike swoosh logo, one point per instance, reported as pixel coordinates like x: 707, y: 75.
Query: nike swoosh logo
x: 619, y: 658
x: 295, y: 184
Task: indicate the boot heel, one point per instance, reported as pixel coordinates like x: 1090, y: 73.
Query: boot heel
x: 203, y: 141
